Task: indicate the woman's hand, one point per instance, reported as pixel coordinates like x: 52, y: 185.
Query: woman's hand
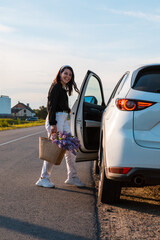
x: 53, y: 129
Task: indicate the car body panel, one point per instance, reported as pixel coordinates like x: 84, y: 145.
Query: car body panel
x: 146, y: 96
x: 147, y: 127
x: 147, y: 122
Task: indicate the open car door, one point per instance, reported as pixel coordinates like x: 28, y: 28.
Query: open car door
x: 86, y: 117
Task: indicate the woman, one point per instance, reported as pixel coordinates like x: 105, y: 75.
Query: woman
x: 57, y: 107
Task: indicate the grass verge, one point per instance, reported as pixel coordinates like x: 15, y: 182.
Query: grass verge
x: 8, y: 124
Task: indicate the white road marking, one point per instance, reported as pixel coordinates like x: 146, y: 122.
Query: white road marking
x: 17, y: 139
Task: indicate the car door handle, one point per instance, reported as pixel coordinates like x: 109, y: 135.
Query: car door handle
x: 78, y: 121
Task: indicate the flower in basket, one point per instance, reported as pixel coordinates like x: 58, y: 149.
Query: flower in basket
x: 66, y: 141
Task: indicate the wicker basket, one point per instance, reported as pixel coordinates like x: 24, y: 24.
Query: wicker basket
x: 50, y: 151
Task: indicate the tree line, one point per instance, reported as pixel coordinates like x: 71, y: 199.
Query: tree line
x: 41, y: 112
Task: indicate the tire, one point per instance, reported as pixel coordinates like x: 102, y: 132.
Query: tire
x: 109, y: 191
x: 95, y: 167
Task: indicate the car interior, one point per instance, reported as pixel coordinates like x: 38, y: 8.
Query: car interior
x: 92, y: 114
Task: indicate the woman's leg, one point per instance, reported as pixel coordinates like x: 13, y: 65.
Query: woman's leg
x: 69, y: 157
x: 72, y: 178
x: 47, y: 167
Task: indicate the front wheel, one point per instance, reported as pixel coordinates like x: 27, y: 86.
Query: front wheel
x: 109, y: 191
x: 95, y: 167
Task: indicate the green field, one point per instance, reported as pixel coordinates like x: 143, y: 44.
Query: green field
x: 6, y: 123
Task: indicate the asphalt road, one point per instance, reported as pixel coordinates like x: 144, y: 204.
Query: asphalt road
x: 30, y: 212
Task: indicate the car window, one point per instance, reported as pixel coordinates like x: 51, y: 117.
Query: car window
x: 148, y: 80
x: 122, y: 83
x: 118, y: 86
x: 93, y: 92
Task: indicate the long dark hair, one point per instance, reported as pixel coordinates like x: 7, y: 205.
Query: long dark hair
x: 70, y: 84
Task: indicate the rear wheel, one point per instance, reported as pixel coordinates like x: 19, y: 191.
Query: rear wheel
x: 109, y: 191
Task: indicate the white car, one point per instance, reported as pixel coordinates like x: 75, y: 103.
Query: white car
x: 124, y: 135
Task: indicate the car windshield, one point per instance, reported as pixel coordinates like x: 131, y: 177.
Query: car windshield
x: 148, y: 80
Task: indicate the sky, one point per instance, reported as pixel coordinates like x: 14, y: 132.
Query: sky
x: 37, y: 37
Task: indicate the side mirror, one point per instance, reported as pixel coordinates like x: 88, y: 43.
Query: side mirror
x: 90, y: 99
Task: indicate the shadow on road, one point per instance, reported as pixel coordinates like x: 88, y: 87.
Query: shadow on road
x: 35, y: 230
x: 78, y: 191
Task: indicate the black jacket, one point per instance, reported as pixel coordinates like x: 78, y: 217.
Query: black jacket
x: 57, y: 102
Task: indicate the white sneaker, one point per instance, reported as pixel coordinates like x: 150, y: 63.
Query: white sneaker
x: 45, y: 182
x: 74, y: 181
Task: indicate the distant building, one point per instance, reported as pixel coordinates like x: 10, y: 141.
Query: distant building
x: 23, y: 111
x: 5, y: 107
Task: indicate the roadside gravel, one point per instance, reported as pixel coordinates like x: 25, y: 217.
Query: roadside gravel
x: 136, y: 216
